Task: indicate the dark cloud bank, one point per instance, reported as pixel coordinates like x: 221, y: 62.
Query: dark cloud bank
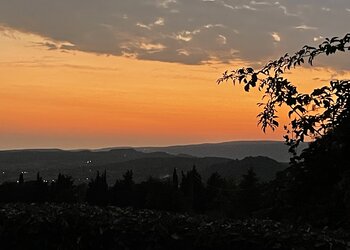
x: 184, y: 31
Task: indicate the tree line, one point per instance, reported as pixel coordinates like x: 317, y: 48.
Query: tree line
x: 182, y: 192
x: 289, y: 197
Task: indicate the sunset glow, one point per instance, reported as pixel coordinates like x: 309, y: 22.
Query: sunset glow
x: 78, y: 97
x: 75, y: 99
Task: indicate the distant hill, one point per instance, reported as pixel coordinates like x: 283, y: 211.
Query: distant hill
x: 83, y: 164
x: 51, y: 162
x: 33, y: 158
x: 264, y: 167
x: 276, y: 150
x: 160, y: 167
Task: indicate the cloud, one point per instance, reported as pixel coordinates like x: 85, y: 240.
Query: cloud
x: 326, y: 9
x: 183, y: 52
x: 182, y: 31
x: 159, y: 21
x: 318, y: 38
x: 260, y: 3
x: 238, y: 7
x: 285, y: 10
x: 143, y: 25
x: 52, y: 45
x: 152, y: 48
x: 276, y: 37
x: 222, y: 39
x: 305, y: 27
x: 165, y: 3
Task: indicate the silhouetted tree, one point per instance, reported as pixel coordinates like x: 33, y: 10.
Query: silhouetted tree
x: 216, y: 193
x: 175, y: 179
x: 97, y: 192
x: 62, y: 190
x: 40, y: 189
x: 21, y: 178
x: 157, y: 194
x: 314, y: 181
x: 183, y: 185
x: 123, y: 190
x: 39, y: 179
x: 249, y: 196
x: 312, y: 115
x: 193, y: 190
x: 128, y: 178
x: 29, y: 191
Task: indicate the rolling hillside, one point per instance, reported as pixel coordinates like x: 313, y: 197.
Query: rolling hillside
x: 276, y: 150
x: 82, y: 165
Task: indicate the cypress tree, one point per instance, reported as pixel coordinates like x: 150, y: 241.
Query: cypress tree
x: 175, y: 179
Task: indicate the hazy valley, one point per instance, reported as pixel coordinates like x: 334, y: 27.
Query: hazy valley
x: 231, y: 160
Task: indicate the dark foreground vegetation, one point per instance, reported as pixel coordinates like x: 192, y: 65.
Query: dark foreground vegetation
x: 63, y: 226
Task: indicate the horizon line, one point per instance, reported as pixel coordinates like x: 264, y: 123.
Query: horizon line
x: 136, y: 147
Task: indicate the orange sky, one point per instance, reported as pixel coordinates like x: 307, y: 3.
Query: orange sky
x: 80, y: 100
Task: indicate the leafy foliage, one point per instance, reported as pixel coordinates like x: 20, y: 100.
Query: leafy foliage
x: 312, y: 115
x: 52, y: 226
